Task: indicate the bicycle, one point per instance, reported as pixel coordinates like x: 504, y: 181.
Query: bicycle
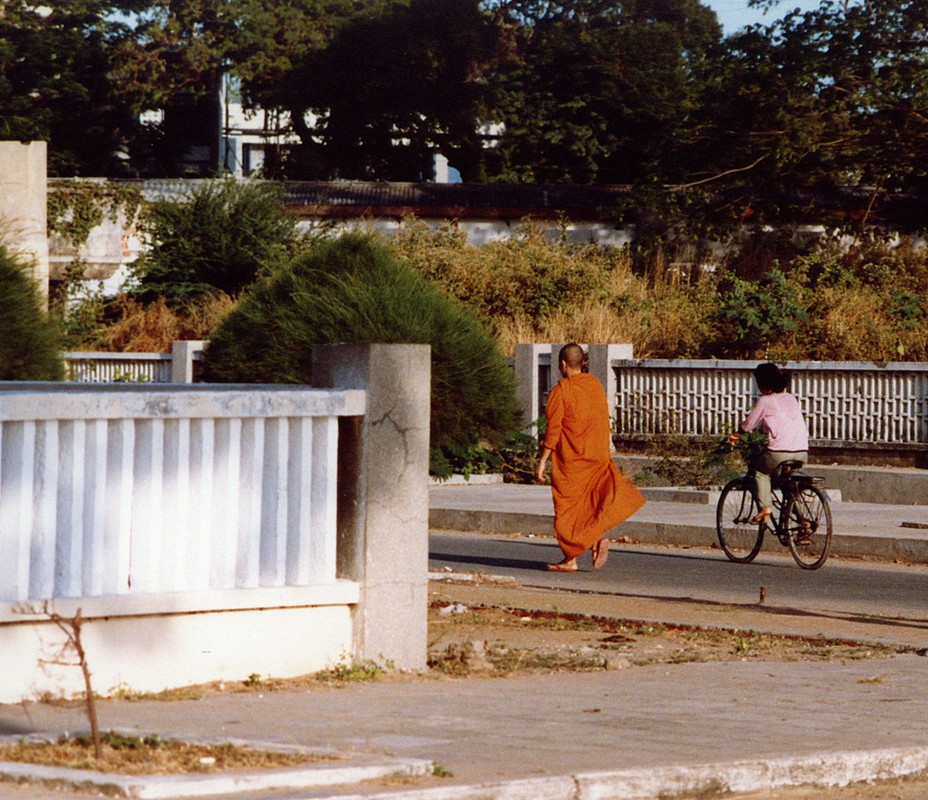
x: 801, y: 517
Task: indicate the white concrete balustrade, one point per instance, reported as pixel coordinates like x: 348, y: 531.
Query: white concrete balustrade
x: 178, y: 366
x: 111, y: 492
x: 209, y: 533
x: 846, y: 404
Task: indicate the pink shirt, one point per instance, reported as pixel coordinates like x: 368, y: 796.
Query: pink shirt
x: 780, y: 417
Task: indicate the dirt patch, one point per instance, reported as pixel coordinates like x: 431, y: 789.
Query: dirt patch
x: 152, y: 755
x: 479, y: 639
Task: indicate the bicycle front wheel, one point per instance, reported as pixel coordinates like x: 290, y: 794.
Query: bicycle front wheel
x: 808, y: 527
x: 739, y: 537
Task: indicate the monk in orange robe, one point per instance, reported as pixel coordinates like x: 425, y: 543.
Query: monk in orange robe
x: 590, y: 493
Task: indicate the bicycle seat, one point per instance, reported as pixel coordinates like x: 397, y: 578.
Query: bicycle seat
x: 784, y: 470
x: 786, y: 467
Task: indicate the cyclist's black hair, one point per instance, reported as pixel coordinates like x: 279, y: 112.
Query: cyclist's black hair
x: 770, y: 376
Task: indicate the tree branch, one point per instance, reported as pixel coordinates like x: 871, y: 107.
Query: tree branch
x: 720, y: 175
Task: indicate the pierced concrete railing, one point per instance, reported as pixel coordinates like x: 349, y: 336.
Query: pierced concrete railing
x: 117, y: 491
x: 178, y: 366
x: 846, y: 404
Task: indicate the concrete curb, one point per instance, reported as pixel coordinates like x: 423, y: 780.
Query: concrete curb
x: 467, y: 480
x: 153, y: 787
x: 859, y: 483
x: 704, y: 497
x: 883, y: 548
x: 711, y: 780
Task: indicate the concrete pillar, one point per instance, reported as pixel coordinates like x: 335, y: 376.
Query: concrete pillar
x: 383, y: 504
x: 601, y: 358
x: 182, y: 353
x: 23, y: 205
x: 531, y: 388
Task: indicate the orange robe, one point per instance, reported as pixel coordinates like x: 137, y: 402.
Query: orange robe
x: 590, y: 494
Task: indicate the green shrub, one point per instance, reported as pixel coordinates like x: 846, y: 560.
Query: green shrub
x: 755, y: 318
x: 354, y: 290
x: 29, y: 349
x: 216, y: 239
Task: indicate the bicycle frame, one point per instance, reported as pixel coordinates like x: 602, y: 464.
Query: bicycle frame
x: 801, y: 518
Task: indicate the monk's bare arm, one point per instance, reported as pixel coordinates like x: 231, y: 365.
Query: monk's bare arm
x: 542, y: 463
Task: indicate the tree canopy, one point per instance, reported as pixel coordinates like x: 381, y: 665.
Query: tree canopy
x: 644, y: 92
x: 55, y: 82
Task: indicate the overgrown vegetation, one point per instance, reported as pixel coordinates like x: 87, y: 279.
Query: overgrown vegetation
x: 201, y: 249
x: 771, y: 297
x: 29, y: 342
x: 75, y: 208
x: 354, y: 289
x: 704, y: 462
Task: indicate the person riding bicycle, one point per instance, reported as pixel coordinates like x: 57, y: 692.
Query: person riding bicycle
x: 776, y: 413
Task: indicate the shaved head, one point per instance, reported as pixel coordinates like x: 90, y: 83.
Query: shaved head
x: 572, y: 355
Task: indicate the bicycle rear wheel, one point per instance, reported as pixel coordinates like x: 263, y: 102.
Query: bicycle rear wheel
x: 808, y: 527
x: 739, y: 537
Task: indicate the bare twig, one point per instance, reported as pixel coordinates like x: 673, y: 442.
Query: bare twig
x: 71, y: 628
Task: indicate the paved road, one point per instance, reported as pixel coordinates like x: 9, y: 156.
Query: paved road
x: 850, y: 587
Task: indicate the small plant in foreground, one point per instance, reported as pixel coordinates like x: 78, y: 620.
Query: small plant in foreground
x: 253, y: 681
x: 351, y: 670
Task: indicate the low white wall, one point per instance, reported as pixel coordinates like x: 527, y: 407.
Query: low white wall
x: 194, y: 527
x: 151, y: 643
x: 178, y: 366
x: 115, y: 491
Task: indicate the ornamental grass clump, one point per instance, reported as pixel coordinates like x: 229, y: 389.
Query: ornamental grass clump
x: 29, y: 342
x: 355, y: 290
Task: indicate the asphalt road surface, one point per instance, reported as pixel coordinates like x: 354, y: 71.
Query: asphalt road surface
x: 868, y: 589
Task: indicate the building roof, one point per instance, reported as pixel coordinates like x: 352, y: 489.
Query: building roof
x: 493, y: 200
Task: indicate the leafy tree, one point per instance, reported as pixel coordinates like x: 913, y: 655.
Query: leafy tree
x: 171, y: 61
x: 355, y: 290
x: 173, y: 49
x: 754, y: 318
x: 28, y: 340
x: 599, y: 91
x: 394, y: 83
x: 56, y: 86
x: 216, y: 239
x: 816, y: 102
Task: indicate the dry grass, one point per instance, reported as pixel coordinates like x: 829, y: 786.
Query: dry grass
x: 668, y: 323
x: 153, y: 328
x: 152, y: 755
